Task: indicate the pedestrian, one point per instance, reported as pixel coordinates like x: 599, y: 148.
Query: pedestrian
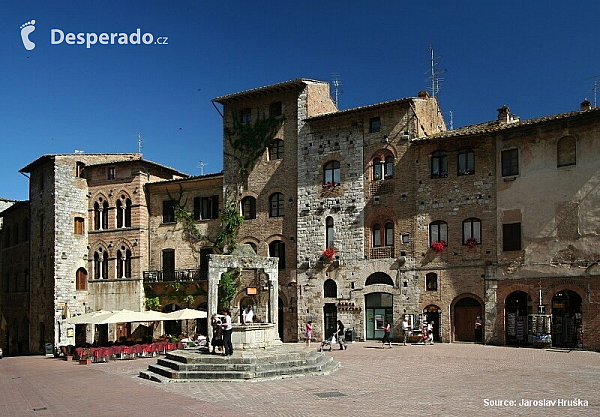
x: 340, y: 335
x: 217, y: 334
x: 248, y: 315
x: 424, y: 334
x: 478, y: 330
x: 227, y: 330
x: 387, y: 329
x: 405, y: 330
x: 430, y: 332
x: 309, y: 330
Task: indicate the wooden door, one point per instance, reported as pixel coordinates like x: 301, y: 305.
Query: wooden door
x: 464, y: 323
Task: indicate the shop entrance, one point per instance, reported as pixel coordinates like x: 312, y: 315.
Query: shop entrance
x: 466, y: 311
x: 517, y: 306
x: 330, y: 319
x: 566, y: 319
x: 432, y: 313
x: 378, y: 310
x: 172, y: 327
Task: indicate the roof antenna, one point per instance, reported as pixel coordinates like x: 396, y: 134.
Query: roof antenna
x: 336, y: 83
x: 451, y: 120
x: 434, y: 74
x: 140, y: 143
x: 595, y: 88
x: 201, y: 165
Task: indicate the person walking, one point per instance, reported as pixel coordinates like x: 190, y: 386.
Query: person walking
x: 227, y: 330
x: 309, y: 330
x: 217, y: 333
x: 478, y: 330
x: 387, y: 329
x: 430, y: 332
x: 405, y: 330
x: 340, y: 335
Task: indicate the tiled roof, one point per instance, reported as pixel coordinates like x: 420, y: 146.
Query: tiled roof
x: 266, y: 89
x: 496, y: 126
x: 190, y: 178
x: 390, y: 103
x: 146, y: 161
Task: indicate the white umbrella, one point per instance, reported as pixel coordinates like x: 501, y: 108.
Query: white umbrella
x: 186, y: 314
x: 85, y: 318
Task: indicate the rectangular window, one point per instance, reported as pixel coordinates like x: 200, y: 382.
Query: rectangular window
x: 466, y: 162
x: 111, y: 173
x: 168, y: 212
x: 79, y: 223
x: 275, y: 109
x: 79, y: 166
x: 510, y: 162
x: 206, y: 207
x: 374, y: 125
x: 511, y: 236
x: 246, y: 115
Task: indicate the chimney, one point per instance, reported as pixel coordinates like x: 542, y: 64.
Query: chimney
x: 505, y: 116
x: 585, y: 105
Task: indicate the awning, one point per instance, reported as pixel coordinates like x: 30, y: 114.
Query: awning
x: 186, y: 314
x: 119, y: 316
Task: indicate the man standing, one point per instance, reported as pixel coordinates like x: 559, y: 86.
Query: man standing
x: 405, y: 329
x: 478, y: 330
x: 340, y: 335
x: 227, y: 329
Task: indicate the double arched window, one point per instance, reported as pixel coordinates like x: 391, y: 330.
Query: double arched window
x: 123, y: 212
x: 101, y: 214
x: 331, y: 173
x: 100, y: 264
x: 123, y: 263
x: 383, y: 236
x: 383, y: 168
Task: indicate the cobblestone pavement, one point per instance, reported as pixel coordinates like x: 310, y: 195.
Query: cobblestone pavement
x: 443, y: 379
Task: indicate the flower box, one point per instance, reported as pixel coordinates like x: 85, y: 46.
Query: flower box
x: 438, y: 246
x: 85, y: 361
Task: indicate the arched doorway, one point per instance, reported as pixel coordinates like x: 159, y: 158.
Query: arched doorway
x: 433, y: 313
x: 517, y: 306
x: 566, y: 319
x: 378, y: 309
x: 466, y: 311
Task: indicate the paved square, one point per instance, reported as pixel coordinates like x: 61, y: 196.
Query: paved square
x: 443, y: 379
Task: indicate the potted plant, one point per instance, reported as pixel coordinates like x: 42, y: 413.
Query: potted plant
x: 86, y: 357
x: 328, y: 254
x: 471, y: 242
x: 438, y: 246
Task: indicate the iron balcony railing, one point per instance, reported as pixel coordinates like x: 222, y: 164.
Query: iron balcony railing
x: 178, y: 275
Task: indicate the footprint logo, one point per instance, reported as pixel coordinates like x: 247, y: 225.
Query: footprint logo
x: 26, y: 29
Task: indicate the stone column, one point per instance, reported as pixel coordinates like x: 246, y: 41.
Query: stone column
x: 490, y: 313
x: 214, y: 277
x: 273, y: 295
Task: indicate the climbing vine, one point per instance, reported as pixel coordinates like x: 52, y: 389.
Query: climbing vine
x: 231, y: 221
x: 186, y: 219
x: 248, y: 141
x: 230, y: 280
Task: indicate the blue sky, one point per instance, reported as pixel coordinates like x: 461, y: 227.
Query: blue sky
x: 537, y: 57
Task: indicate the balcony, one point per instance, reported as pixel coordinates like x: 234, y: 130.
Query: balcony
x: 178, y: 275
x: 382, y: 252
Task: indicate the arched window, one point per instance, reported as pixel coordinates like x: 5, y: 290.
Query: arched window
x: 101, y: 214
x: 100, y: 264
x: 439, y: 164
x: 276, y: 150
x: 431, y: 281
x: 331, y: 173
x: 329, y: 232
x: 566, y: 151
x: 471, y: 230
x: 379, y: 278
x: 388, y: 169
x: 438, y: 232
x: 81, y: 279
x: 277, y: 250
x: 123, y: 212
x: 376, y: 235
x: 276, y: 205
x: 330, y: 289
x: 249, y: 208
x: 377, y: 169
x: 466, y: 162
x: 123, y: 263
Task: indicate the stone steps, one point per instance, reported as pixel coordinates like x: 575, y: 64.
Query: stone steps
x: 280, y: 362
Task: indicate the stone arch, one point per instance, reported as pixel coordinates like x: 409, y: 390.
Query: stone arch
x: 433, y: 313
x: 251, y: 240
x: 128, y: 246
x: 379, y: 278
x: 463, y: 319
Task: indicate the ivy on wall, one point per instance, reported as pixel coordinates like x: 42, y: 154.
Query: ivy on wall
x: 248, y: 141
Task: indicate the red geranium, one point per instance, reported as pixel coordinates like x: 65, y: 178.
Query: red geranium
x: 329, y: 253
x: 438, y: 246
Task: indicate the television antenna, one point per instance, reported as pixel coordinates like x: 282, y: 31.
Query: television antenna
x: 434, y: 72
x: 595, y: 88
x: 451, y: 120
x: 140, y: 142
x: 201, y: 165
x: 336, y: 83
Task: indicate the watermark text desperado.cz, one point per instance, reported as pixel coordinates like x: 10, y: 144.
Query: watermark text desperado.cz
x: 57, y: 36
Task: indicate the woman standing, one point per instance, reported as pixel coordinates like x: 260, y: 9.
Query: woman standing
x: 217, y: 333
x: 386, y: 335
x: 309, y: 330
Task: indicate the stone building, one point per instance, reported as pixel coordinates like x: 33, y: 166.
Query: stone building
x: 375, y: 213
